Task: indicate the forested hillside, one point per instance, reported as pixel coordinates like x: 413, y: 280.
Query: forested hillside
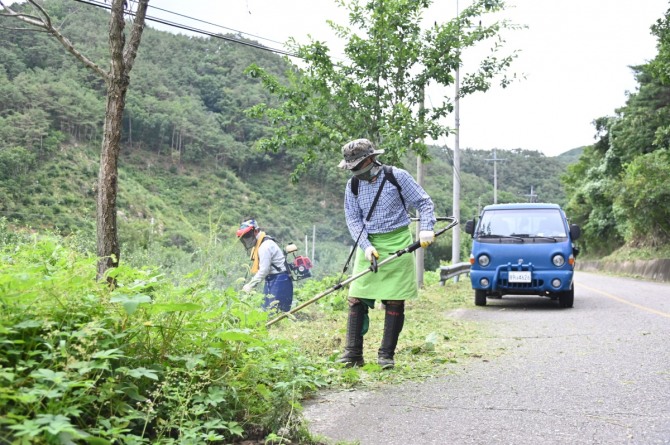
x: 189, y: 171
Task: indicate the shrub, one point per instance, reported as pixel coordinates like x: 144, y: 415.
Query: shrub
x: 15, y: 161
x: 146, y: 362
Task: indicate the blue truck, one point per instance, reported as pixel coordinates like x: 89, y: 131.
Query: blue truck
x: 523, y: 249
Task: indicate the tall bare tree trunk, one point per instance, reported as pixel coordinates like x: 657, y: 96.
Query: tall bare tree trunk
x: 108, y: 248
x: 122, y: 59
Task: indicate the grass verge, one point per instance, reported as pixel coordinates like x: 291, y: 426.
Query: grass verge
x: 432, y: 341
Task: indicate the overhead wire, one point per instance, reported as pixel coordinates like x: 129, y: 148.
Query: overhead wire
x: 216, y: 25
x: 198, y: 30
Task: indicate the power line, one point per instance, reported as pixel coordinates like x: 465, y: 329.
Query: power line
x: 198, y: 31
x: 214, y: 24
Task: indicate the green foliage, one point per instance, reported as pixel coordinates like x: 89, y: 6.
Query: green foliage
x: 15, y: 162
x: 146, y: 362
x: 642, y: 204
x: 151, y: 361
x: 660, y: 66
x: 185, y: 101
x: 617, y: 190
x: 187, y: 172
x: 377, y: 94
x: 519, y: 172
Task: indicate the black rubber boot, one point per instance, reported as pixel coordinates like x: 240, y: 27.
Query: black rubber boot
x: 393, y: 323
x: 353, y: 351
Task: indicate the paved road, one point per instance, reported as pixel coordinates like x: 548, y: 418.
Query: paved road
x: 598, y: 373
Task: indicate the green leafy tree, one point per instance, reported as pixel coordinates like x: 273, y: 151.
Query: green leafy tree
x: 617, y: 190
x: 642, y: 204
x: 378, y: 92
x: 591, y: 187
x: 660, y: 66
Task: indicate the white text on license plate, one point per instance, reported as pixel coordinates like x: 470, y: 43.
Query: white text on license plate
x: 519, y: 277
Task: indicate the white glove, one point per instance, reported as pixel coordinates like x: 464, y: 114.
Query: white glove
x: 369, y: 252
x: 426, y: 238
x: 247, y: 287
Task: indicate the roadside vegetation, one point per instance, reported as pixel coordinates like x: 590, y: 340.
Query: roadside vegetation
x: 156, y: 360
x: 173, y: 353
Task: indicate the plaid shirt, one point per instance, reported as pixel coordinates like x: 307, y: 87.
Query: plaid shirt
x: 389, y: 213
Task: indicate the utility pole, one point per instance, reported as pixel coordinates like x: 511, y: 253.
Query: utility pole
x: 419, y: 253
x: 532, y: 196
x: 495, y: 175
x: 456, y: 233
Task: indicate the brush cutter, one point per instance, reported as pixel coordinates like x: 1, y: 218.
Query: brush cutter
x: 373, y: 268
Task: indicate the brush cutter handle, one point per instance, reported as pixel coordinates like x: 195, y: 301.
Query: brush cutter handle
x: 438, y: 218
x: 414, y: 246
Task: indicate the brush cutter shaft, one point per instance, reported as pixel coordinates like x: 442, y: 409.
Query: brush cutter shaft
x: 409, y: 249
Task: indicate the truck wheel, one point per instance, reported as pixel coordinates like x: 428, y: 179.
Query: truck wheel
x: 567, y: 298
x: 480, y: 298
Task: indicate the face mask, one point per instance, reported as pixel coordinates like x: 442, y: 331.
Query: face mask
x: 248, y: 240
x: 369, y: 172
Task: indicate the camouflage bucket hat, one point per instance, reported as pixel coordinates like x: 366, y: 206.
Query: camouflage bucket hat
x: 356, y: 151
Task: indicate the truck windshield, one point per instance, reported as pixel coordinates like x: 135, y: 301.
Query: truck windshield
x: 529, y: 223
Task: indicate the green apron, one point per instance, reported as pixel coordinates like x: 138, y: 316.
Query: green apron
x: 395, y: 280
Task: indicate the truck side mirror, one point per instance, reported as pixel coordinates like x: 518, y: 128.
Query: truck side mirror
x: 470, y: 227
x: 575, y: 232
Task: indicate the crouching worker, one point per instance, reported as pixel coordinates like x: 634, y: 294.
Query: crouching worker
x: 268, y: 263
x: 375, y: 212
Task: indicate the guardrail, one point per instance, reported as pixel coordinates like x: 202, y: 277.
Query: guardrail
x: 454, y: 270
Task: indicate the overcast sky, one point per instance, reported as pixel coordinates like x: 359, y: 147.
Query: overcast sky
x: 575, y: 55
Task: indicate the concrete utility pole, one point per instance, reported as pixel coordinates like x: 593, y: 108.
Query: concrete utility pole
x: 419, y: 253
x: 313, y: 242
x: 495, y: 175
x: 456, y: 233
x: 532, y: 196
x: 420, y: 257
x: 456, y: 198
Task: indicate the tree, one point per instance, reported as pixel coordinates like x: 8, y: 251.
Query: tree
x: 378, y: 91
x: 642, y: 204
x: 117, y: 80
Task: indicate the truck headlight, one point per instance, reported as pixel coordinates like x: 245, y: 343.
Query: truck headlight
x: 558, y: 260
x: 484, y: 260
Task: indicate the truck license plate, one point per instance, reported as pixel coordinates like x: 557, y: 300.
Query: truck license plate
x: 519, y: 277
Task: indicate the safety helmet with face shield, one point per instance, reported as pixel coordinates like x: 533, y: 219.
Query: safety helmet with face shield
x: 247, y: 233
